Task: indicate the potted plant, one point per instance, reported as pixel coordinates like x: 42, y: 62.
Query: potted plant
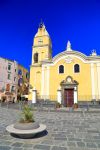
x: 26, y: 121
x: 27, y: 115
x: 58, y: 105
x: 75, y: 106
x: 26, y: 127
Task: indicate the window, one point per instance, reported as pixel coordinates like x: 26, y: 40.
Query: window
x: 9, y: 76
x: 40, y: 41
x: 76, y: 68
x: 14, y: 78
x: 19, y: 72
x: 20, y: 82
x: 15, y: 70
x: 36, y: 58
x: 9, y: 66
x: 61, y: 69
x: 13, y: 88
x: 27, y: 75
x: 8, y: 87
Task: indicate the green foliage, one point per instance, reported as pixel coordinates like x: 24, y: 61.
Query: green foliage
x: 75, y: 105
x: 27, y: 115
x: 58, y: 105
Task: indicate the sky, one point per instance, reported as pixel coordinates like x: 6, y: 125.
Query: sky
x: 74, y: 20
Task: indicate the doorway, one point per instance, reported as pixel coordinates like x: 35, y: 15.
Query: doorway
x: 68, y: 97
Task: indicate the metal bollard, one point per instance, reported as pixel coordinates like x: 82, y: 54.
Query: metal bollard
x: 7, y: 105
x: 20, y: 105
x: 83, y: 112
x: 0, y: 103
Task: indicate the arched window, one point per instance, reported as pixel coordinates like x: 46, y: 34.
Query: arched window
x: 76, y: 68
x: 36, y: 58
x: 61, y: 69
x: 27, y: 75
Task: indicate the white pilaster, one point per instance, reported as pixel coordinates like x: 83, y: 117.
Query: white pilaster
x: 15, y: 100
x: 45, y: 82
x: 48, y: 74
x: 59, y: 97
x: 75, y: 96
x: 98, y: 79
x: 34, y: 96
x: 42, y: 82
x: 93, y: 81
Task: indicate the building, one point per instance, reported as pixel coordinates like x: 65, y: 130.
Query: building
x: 69, y: 77
x: 23, y: 82
x: 8, y: 79
x: 12, y: 76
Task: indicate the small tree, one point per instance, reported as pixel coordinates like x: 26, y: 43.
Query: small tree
x: 27, y: 115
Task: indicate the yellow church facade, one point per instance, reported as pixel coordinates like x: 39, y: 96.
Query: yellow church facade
x: 67, y: 78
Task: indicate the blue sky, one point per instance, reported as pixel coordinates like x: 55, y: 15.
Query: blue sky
x: 74, y: 20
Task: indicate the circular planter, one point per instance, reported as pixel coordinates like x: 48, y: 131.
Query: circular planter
x: 26, y: 126
x: 26, y: 130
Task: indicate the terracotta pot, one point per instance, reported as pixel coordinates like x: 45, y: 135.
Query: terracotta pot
x: 75, y: 106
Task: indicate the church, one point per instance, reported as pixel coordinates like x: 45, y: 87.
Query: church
x: 68, y: 78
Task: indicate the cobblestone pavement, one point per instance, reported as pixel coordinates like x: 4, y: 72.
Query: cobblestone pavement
x: 66, y: 131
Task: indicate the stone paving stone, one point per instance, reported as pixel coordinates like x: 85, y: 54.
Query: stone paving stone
x: 91, y: 145
x: 74, y: 139
x: 17, y: 148
x: 5, y: 142
x: 5, y: 147
x: 81, y: 148
x: 91, y: 140
x: 81, y: 144
x: 47, y: 142
x: 96, y: 137
x: 17, y: 144
x: 71, y: 144
x: 44, y: 147
x: 27, y: 145
x: 70, y: 136
x: 59, y: 143
x: 7, y: 137
x: 93, y: 131
x: 58, y: 148
x: 28, y: 149
x: 98, y: 145
x: 60, y: 138
x: 59, y: 135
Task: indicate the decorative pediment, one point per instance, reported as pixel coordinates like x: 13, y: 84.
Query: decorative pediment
x: 69, y: 81
x: 69, y: 59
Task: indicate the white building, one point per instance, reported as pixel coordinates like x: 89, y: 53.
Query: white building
x: 8, y: 79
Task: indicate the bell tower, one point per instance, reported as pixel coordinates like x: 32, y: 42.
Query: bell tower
x: 42, y: 46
